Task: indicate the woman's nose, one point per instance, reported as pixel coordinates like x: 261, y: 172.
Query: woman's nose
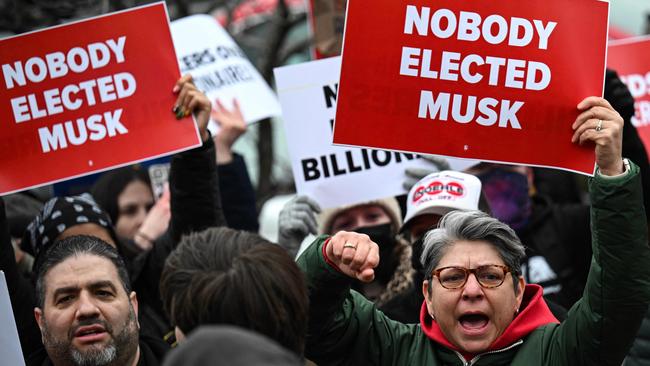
x: 472, y: 289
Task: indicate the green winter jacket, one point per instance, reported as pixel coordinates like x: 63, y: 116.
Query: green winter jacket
x: 346, y: 329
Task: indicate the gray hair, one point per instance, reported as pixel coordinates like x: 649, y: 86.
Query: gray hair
x: 472, y: 226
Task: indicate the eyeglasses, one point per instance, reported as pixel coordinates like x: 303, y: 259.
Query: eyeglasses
x: 488, y: 276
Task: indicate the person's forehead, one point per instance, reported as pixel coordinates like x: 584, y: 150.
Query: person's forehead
x: 362, y: 209
x: 81, y: 271
x: 135, y: 191
x: 470, y: 253
x: 89, y: 228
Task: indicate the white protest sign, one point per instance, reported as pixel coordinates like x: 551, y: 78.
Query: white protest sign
x: 335, y: 175
x: 9, y: 343
x: 221, y: 69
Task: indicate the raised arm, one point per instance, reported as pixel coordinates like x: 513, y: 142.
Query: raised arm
x: 237, y: 193
x: 601, y: 326
x: 194, y: 188
x: 344, y: 327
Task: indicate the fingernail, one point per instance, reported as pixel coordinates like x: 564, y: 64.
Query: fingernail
x: 175, y: 109
x: 176, y: 88
x: 180, y: 114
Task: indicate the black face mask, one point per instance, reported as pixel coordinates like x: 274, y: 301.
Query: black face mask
x: 383, y: 236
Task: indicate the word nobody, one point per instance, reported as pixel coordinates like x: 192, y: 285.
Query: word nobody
x: 473, y: 68
x: 38, y: 104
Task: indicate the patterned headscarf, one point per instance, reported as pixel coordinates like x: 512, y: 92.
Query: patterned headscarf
x: 59, y: 214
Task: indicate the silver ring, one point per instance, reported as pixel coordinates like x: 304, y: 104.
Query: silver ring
x: 349, y: 245
x: 599, y: 126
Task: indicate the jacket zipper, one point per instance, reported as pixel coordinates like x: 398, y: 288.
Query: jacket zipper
x: 475, y: 359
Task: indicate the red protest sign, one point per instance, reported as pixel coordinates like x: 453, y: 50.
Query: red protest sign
x: 631, y: 60
x: 490, y: 80
x: 88, y: 96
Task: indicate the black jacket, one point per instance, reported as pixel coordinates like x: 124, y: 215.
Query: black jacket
x: 237, y: 195
x: 195, y: 205
x: 560, y: 236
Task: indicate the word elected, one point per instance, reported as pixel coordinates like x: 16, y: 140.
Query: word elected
x: 639, y: 86
x: 474, y: 68
x: 74, y: 96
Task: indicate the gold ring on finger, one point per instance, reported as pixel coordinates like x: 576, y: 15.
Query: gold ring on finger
x: 349, y: 245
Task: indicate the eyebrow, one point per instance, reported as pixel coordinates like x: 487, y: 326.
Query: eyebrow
x: 92, y: 286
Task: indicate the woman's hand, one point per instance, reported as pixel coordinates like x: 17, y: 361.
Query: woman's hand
x: 354, y: 254
x: 602, y: 125
x: 191, y: 100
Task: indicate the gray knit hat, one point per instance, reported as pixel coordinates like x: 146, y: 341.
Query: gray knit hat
x: 390, y: 205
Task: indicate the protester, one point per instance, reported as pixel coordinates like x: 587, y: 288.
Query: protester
x: 86, y: 310
x: 126, y: 195
x: 379, y: 219
x: 230, y: 346
x: 484, y: 312
x: 225, y: 276
x: 195, y: 205
x: 427, y: 201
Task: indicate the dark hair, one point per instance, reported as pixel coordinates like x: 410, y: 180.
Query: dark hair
x: 111, y: 184
x: 75, y: 246
x: 225, y: 276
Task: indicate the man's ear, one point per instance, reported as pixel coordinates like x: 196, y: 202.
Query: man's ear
x: 40, y: 319
x: 134, y: 302
x: 38, y: 314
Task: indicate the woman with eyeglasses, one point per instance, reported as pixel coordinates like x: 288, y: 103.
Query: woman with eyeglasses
x: 478, y: 310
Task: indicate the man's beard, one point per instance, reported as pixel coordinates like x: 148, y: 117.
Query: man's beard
x: 118, y: 351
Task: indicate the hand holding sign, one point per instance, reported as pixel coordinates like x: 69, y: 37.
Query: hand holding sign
x: 601, y: 124
x: 191, y: 100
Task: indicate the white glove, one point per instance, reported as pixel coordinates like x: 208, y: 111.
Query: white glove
x: 297, y: 220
